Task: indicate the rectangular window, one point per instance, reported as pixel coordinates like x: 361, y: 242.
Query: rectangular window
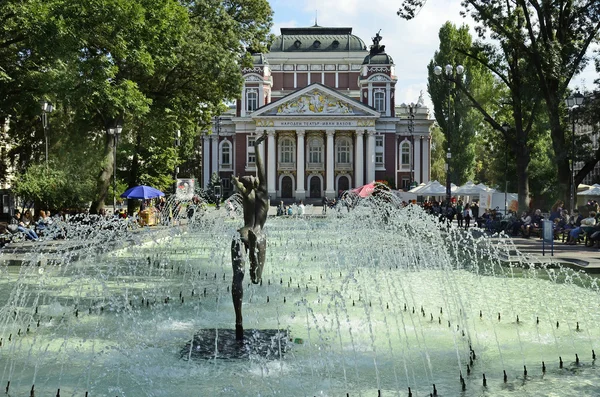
x: 379, y: 150
x: 225, y: 154
x: 226, y: 182
x: 379, y: 102
x: 251, y: 100
x: 405, y: 183
x: 250, y: 150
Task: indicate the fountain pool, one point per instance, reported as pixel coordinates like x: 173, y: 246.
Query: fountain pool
x: 372, y: 307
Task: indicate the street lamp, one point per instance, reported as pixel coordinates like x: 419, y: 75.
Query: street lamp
x: 573, y: 102
x: 115, y: 132
x: 505, y: 127
x: 176, y: 170
x: 46, y: 108
x: 451, y: 76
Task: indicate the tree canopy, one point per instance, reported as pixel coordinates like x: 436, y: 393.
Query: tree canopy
x: 152, y: 66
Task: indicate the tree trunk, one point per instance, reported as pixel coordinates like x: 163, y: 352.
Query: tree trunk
x: 523, y: 159
x: 132, y: 179
x: 103, y: 180
x: 560, y: 147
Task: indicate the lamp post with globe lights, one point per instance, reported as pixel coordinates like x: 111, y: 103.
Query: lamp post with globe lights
x: 573, y: 102
x: 47, y: 107
x: 451, y: 75
x: 115, y: 132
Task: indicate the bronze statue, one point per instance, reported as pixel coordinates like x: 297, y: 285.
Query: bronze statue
x: 251, y: 239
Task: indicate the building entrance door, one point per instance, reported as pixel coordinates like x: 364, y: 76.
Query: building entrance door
x: 287, y: 187
x: 315, y: 187
x: 343, y: 184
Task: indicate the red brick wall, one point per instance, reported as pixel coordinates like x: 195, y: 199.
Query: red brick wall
x: 315, y: 77
x: 353, y: 80
x: 288, y: 81
x: 330, y: 80
x: 343, y: 81
x: 390, y: 154
x: 302, y: 80
x: 240, y: 154
x: 277, y: 81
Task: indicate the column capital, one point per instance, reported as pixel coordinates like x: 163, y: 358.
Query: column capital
x: 371, y: 131
x: 214, y: 137
x: 330, y: 132
x: 359, y: 132
x: 300, y: 132
x: 270, y: 132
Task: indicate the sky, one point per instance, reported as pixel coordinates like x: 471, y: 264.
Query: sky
x: 410, y: 43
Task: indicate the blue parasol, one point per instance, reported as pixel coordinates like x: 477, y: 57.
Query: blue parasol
x: 141, y: 193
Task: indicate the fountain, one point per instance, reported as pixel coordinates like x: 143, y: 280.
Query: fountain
x: 393, y: 305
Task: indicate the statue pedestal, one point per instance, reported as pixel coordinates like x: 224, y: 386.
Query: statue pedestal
x: 209, y: 344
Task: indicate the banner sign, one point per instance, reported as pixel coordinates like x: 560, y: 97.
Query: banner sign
x: 185, y: 189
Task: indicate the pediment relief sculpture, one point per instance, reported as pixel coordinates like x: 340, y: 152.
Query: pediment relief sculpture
x: 315, y: 103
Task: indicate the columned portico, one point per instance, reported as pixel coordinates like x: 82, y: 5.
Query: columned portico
x: 272, y: 191
x: 300, y: 190
x: 329, y: 188
x: 359, y: 159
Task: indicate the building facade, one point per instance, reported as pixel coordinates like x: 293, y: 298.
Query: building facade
x: 327, y: 105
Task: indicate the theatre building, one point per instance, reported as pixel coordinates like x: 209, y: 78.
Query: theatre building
x: 327, y: 104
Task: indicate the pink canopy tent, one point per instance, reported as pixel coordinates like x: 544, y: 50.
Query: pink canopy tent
x: 364, y: 190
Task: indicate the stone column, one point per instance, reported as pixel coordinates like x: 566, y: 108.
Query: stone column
x: 300, y: 191
x: 206, y: 161
x: 329, y: 188
x: 388, y: 100
x: 215, y: 154
x: 271, y: 164
x: 359, y: 159
x: 370, y: 156
x: 417, y: 141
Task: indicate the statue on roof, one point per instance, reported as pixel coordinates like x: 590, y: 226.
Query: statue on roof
x: 376, y: 48
x: 421, y: 100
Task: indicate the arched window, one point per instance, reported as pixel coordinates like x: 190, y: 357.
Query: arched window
x: 226, y: 154
x: 315, y: 151
x: 343, y: 151
x: 379, y: 100
x: 286, y: 152
x: 405, y: 155
x: 251, y: 100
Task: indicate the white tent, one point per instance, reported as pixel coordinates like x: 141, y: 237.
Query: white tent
x: 471, y: 189
x: 417, y: 188
x: 593, y: 191
x: 433, y: 189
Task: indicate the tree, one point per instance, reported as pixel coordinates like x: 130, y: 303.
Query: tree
x: 438, y: 154
x: 510, y: 96
x: 553, y: 39
x: 453, y: 111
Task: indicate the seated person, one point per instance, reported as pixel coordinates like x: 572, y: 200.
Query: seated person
x: 281, y: 209
x: 29, y: 233
x: 520, y: 223
x: 536, y: 223
x: 576, y: 232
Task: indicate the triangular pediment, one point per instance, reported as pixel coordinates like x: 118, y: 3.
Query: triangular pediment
x: 316, y: 100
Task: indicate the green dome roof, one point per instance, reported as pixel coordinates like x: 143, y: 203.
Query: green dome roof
x: 317, y: 39
x: 378, y: 59
x: 259, y: 59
